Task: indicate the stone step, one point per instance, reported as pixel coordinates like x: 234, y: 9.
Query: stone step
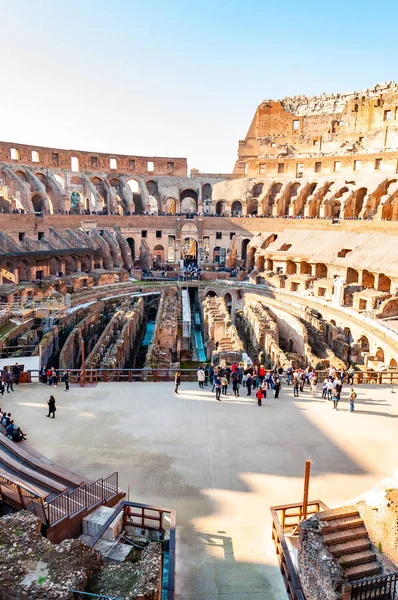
x: 362, y: 571
x: 347, y: 535
x: 336, y: 513
x: 359, y: 558
x: 351, y: 547
x: 340, y: 524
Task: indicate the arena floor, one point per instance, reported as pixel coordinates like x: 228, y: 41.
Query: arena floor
x: 221, y: 465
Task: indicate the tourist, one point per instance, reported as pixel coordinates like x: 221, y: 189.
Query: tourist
x: 11, y: 427
x: 6, y: 420
x: 280, y: 374
x: 338, y: 386
x: 206, y: 375
x: 302, y: 380
x: 259, y: 396
x: 54, y: 377
x: 235, y: 384
x: 177, y: 381
x: 249, y: 383
x: 18, y: 435
x: 201, y: 377
x: 51, y: 407
x: 289, y: 373
x: 49, y: 376
x: 325, y: 388
x: 66, y: 380
x: 44, y: 374
x: 314, y: 383
x: 330, y: 388
x: 9, y: 380
x: 296, y: 383
x: 335, y: 398
x: 244, y: 379
x: 218, y: 386
x: 16, y: 372
x: 351, y: 373
x: 224, y: 384
x: 2, y: 386
x: 351, y: 399
x: 261, y: 374
x: 277, y: 387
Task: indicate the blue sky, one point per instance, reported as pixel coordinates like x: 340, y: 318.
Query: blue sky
x: 176, y: 78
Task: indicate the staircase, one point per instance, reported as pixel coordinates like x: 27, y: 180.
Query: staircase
x: 346, y: 537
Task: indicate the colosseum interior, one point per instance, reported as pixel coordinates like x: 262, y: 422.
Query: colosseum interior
x: 127, y: 268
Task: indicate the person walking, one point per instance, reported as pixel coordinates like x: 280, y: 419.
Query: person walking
x: 249, y: 382
x: 314, y: 383
x: 325, y: 388
x: 201, y: 377
x: 335, y: 398
x: 224, y: 384
x: 16, y: 372
x: 296, y: 383
x: 66, y: 380
x: 350, y: 373
x: 351, y: 400
x: 289, y: 373
x: 206, y: 375
x: 235, y: 384
x: 218, y: 385
x: 259, y: 396
x: 277, y: 387
x: 9, y: 380
x: 51, y: 407
x: 329, y: 388
x: 177, y: 381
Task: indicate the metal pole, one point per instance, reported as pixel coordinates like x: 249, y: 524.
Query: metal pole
x: 306, y: 487
x: 83, y: 373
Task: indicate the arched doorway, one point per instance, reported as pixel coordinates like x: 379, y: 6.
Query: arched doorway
x: 245, y: 244
x: 188, y: 202
x: 189, y: 251
x: 380, y: 355
x: 216, y: 255
x: 76, y: 203
x: 171, y: 206
x: 136, y: 193
x: 220, y: 207
x: 236, y: 208
x: 39, y: 205
x: 158, y: 253
x: 131, y: 244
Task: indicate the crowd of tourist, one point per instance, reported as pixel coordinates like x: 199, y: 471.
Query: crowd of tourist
x: 259, y: 378
x: 12, y: 431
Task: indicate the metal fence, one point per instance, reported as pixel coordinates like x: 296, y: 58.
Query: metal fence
x: 85, y: 497
x: 384, y: 587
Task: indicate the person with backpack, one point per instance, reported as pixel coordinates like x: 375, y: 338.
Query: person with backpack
x: 351, y: 400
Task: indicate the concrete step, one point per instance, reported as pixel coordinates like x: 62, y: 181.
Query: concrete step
x: 351, y: 547
x: 347, y: 535
x: 340, y: 524
x: 362, y: 571
x: 337, y: 513
x: 359, y: 558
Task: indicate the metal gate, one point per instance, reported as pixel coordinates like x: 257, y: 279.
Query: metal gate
x: 384, y: 587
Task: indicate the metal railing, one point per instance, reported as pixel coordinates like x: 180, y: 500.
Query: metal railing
x: 384, y: 587
x: 94, y: 376
x: 85, y: 497
x: 87, y: 596
x: 19, y: 497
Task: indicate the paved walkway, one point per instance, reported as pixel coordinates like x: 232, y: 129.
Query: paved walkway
x: 220, y: 464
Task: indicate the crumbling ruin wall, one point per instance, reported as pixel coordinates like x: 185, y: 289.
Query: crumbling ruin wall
x: 221, y: 336
x: 320, y: 575
x: 116, y: 341
x: 67, y: 359
x: 381, y: 521
x: 167, y: 330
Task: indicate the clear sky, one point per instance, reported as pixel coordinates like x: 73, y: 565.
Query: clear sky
x: 178, y: 78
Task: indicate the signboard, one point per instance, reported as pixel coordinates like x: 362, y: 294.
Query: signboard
x: 8, y: 275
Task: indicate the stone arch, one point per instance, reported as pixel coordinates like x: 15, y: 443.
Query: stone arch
x: 228, y: 301
x: 131, y: 243
x: 251, y: 257
x: 245, y: 244
x: 354, y: 204
x: 383, y: 283
x: 38, y: 202
x: 189, y: 249
x: 86, y: 263
x: 293, y: 191
x: 21, y: 175
x: 379, y: 355
x: 206, y: 191
x: 102, y: 194
x: 291, y: 267
x: 188, y: 201
x: 368, y: 279
x: 70, y: 264
x: 55, y: 265
x: 159, y: 253
x: 170, y: 205
x: 211, y: 294
x: 23, y: 270
x: 154, y: 197
x: 364, y: 344
x: 5, y: 205
x: 236, y: 208
x: 390, y: 208
x: 393, y: 364
x: 352, y: 275
x: 135, y: 190
x: 305, y: 268
x: 269, y: 264
x: 321, y: 271
x: 274, y: 191
x: 257, y: 189
x: 220, y: 207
